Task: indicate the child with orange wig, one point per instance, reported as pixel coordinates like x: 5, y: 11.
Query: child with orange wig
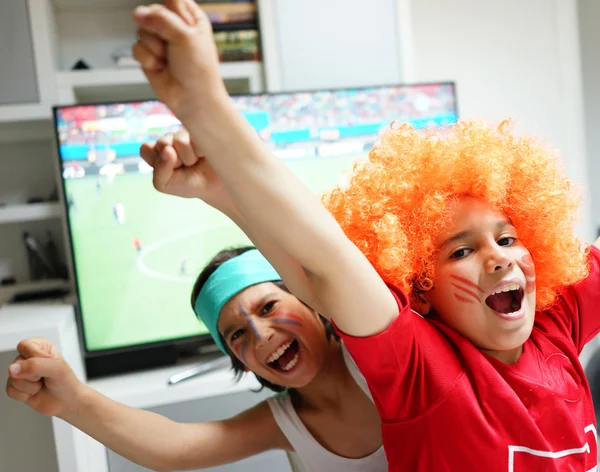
x: 491, y: 374
x: 452, y: 271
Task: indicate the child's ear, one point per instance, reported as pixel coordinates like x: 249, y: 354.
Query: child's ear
x: 419, y: 303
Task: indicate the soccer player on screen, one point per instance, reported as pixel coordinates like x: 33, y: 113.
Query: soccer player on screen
x: 136, y: 242
x: 118, y: 210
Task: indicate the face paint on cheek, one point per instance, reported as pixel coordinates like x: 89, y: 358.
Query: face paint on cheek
x: 465, y: 292
x: 241, y: 352
x: 467, y: 282
x: 462, y: 299
x: 250, y: 322
x: 528, y: 269
x: 287, y: 318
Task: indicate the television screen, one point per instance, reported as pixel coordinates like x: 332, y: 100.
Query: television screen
x: 137, y: 252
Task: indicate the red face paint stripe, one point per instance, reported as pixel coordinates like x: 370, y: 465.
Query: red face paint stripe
x: 527, y: 259
x: 528, y: 267
x: 243, y: 350
x: 467, y: 282
x: 462, y: 299
x: 290, y: 316
x: 467, y: 291
x: 237, y: 349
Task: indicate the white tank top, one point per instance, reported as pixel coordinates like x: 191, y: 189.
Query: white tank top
x: 309, y: 455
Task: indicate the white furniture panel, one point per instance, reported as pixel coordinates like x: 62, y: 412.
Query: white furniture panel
x: 18, y: 79
x: 331, y: 43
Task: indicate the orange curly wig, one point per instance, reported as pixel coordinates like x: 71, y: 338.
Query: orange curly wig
x: 398, y: 200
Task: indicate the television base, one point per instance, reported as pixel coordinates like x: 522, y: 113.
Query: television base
x: 129, y: 361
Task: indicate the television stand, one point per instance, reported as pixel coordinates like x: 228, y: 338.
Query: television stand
x: 204, y: 367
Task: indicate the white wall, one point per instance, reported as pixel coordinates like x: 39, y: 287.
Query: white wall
x: 509, y: 59
x: 589, y: 34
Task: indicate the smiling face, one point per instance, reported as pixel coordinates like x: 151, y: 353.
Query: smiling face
x: 274, y: 335
x: 484, y: 284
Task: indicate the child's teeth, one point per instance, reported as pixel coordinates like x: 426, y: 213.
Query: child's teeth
x: 277, y: 354
x: 508, y: 288
x: 292, y: 363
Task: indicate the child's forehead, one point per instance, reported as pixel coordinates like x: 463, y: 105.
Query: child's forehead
x: 469, y: 213
x: 248, y: 300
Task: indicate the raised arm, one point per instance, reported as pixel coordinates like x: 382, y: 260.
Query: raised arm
x: 143, y: 437
x: 180, y: 170
x: 269, y: 197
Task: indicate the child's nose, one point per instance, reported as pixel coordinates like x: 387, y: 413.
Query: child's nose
x: 263, y: 331
x: 497, y: 259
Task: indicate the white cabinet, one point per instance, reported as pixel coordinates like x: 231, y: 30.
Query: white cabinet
x: 52, y: 445
x: 317, y: 44
x: 18, y: 80
x: 40, y: 41
x: 26, y: 77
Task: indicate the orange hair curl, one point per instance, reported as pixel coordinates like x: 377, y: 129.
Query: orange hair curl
x: 397, y: 201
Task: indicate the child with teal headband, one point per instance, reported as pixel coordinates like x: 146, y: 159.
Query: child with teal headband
x: 323, y: 416
x: 230, y: 278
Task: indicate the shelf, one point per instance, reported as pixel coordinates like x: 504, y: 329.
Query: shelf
x: 97, y: 77
x: 79, y: 5
x: 24, y: 113
x: 236, y: 26
x: 30, y: 212
x: 9, y: 291
x: 21, y: 322
x: 91, y: 85
x: 33, y: 129
x: 134, y: 76
x: 97, y: 4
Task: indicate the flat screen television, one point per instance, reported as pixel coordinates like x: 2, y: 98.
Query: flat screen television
x: 136, y: 252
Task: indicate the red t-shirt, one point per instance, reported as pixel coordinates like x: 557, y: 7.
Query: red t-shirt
x: 446, y: 406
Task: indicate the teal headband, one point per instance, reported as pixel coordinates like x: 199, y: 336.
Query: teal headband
x: 230, y: 278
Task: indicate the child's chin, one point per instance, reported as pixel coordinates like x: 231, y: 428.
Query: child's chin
x: 517, y: 339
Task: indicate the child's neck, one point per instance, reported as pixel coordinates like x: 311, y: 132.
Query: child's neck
x: 330, y: 384
x: 507, y: 357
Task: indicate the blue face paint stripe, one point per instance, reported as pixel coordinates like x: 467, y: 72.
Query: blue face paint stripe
x: 250, y: 322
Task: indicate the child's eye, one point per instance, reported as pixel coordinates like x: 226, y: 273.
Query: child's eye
x: 507, y: 241
x: 236, y: 334
x: 268, y: 307
x: 460, y: 253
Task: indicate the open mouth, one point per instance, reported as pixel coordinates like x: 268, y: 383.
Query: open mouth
x: 285, y: 358
x: 507, y: 300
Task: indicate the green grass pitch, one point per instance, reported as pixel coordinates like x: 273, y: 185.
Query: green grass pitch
x: 130, y: 299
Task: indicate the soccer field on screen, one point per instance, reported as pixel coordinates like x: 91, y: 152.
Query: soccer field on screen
x: 136, y: 264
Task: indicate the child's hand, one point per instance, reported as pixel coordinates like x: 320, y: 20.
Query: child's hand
x: 42, y: 379
x: 180, y: 170
x: 178, y: 54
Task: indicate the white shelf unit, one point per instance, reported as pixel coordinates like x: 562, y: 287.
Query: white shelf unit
x: 63, y: 32
x: 30, y: 212
x: 94, y: 84
x: 7, y: 292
